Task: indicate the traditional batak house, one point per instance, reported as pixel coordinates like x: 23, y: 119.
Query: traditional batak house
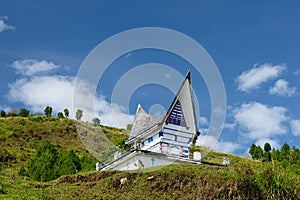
x: 161, y: 140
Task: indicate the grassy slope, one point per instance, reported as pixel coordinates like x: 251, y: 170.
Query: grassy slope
x: 245, y: 179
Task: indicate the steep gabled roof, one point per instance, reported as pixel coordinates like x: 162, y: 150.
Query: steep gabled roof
x: 181, y: 112
x: 182, y: 107
x: 143, y: 121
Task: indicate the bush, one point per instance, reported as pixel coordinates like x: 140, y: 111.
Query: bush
x: 41, y: 166
x: 49, y: 163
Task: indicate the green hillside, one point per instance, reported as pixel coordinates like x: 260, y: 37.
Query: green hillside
x: 20, y: 137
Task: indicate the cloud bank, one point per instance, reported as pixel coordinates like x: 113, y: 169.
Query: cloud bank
x: 259, y: 121
x: 252, y: 79
x: 32, y: 67
x: 4, y: 26
x: 281, y: 88
x: 38, y: 91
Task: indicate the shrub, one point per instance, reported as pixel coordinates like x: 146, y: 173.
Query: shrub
x: 49, y: 163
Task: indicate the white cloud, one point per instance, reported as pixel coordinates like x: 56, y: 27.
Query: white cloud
x: 281, y: 88
x: 206, y: 140
x: 212, y: 142
x: 203, y: 121
x: 253, y: 78
x: 31, y: 67
x: 3, y: 25
x: 230, y: 126
x: 227, y: 147
x: 295, y: 127
x: 57, y: 92
x: 259, y: 121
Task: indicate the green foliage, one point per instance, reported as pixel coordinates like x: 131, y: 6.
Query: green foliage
x: 129, y: 127
x: 2, y: 113
x: 60, y: 115
x: 48, y: 163
x: 96, y: 121
x: 252, y: 149
x: 285, y: 152
x: 2, y: 188
x: 67, y: 163
x: 48, y: 111
x: 258, y: 153
x: 87, y: 163
x: 267, y: 147
x: 24, y: 112
x: 275, y: 154
x: 285, y: 155
x: 66, y: 112
x: 294, y: 156
x: 40, y: 166
x: 79, y: 114
x: 121, y: 144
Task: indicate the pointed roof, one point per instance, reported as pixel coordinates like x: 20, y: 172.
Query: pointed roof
x: 183, y: 103
x: 181, y: 112
x: 143, y: 121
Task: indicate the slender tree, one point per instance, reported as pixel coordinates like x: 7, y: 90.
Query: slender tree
x: 252, y: 149
x: 129, y: 127
x: 3, y: 113
x: 48, y: 111
x: 66, y: 111
x: 79, y: 114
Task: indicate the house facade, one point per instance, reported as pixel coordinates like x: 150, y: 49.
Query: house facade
x: 161, y: 140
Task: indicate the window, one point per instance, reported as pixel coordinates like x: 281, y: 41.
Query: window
x: 143, y: 144
x: 150, y: 139
x: 176, y: 116
x: 160, y: 134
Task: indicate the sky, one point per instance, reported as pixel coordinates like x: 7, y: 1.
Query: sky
x: 254, y: 44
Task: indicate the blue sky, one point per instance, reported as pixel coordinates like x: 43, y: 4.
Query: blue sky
x: 255, y: 45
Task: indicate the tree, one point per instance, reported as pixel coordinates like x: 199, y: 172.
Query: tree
x: 48, y: 111
x: 258, y: 153
x: 67, y: 163
x: 66, y: 111
x: 40, y: 166
x: 60, y: 115
x: 96, y: 121
x: 79, y: 114
x: 49, y: 163
x: 275, y: 154
x: 267, y: 147
x: 294, y: 155
x: 24, y: 112
x: 3, y: 113
x: 285, y: 152
x: 252, y: 149
x: 129, y: 127
x: 195, y: 138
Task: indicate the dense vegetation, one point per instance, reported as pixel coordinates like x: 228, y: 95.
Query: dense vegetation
x: 36, y: 148
x: 287, y: 155
x: 49, y: 163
